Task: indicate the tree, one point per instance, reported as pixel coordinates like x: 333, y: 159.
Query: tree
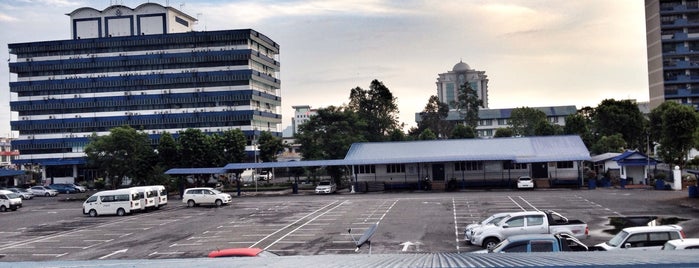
x: 377, y: 107
x: 578, y: 124
x: 503, y: 133
x: 525, y: 121
x: 195, y: 149
x: 230, y: 147
x: 434, y: 117
x: 270, y: 147
x: 329, y: 135
x: 123, y: 153
x: 397, y: 135
x: 678, y: 123
x: 427, y: 134
x: 463, y: 132
x: 613, y: 143
x: 624, y: 117
x: 468, y: 105
x: 168, y: 153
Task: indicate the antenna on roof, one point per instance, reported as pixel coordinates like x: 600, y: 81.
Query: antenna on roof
x: 364, y: 239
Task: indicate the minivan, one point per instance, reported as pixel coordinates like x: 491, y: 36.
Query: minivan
x: 112, y: 202
x: 9, y: 200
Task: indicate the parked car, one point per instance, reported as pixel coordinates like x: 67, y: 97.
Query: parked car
x: 686, y: 243
x: 264, y: 175
x: 326, y: 187
x: 43, y: 191
x: 528, y: 222
x: 525, y: 182
x: 205, y: 196
x: 469, y: 230
x: 80, y: 188
x: 64, y: 188
x: 538, y: 243
x: 642, y: 238
x: 9, y: 200
x: 23, y: 193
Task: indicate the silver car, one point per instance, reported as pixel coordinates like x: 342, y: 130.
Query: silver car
x: 23, y: 193
x: 43, y: 191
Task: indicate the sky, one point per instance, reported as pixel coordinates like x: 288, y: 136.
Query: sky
x: 534, y: 52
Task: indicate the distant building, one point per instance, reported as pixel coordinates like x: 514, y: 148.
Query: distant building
x: 302, y: 113
x: 492, y: 119
x: 448, y: 84
x: 672, y: 38
x: 7, y: 154
x: 144, y: 67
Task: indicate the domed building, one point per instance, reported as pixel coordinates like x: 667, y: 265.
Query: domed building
x: 448, y: 84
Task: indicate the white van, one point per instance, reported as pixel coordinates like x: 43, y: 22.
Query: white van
x: 113, y: 202
x: 147, y: 196
x: 161, y: 198
x: 9, y: 200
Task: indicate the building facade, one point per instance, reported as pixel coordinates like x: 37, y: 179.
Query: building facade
x: 302, y: 113
x: 672, y: 38
x: 144, y: 67
x: 448, y: 84
x: 7, y: 154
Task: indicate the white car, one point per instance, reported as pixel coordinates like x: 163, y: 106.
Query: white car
x: 470, y: 229
x: 525, y: 182
x: 80, y: 188
x: 205, y: 196
x: 43, y: 191
x: 9, y: 200
x: 326, y: 187
x: 686, y: 243
x: 642, y: 238
x: 23, y: 193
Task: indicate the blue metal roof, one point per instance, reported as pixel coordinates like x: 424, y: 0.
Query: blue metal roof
x: 522, y: 150
x: 10, y: 172
x: 634, y: 158
x: 189, y: 171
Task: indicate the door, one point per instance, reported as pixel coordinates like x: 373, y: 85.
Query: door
x: 515, y: 226
x: 535, y: 225
x: 438, y: 172
x: 540, y: 170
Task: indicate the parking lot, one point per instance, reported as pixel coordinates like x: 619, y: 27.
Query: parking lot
x: 49, y: 229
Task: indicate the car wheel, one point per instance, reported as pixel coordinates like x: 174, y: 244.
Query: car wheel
x: 219, y: 202
x: 490, y: 243
x: 121, y: 212
x: 47, y: 194
x: 190, y: 203
x: 93, y: 213
x: 3, y: 208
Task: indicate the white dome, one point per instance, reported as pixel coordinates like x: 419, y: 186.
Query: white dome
x: 461, y: 67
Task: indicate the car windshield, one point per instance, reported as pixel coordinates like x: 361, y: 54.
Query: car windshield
x: 493, y: 220
x: 324, y: 183
x: 12, y: 196
x: 617, y: 239
x: 525, y: 179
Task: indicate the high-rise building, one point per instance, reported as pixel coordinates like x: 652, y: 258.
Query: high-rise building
x: 144, y: 67
x: 448, y: 84
x: 302, y: 113
x: 672, y: 38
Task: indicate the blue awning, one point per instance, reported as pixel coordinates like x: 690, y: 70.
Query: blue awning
x: 194, y: 171
x: 10, y: 172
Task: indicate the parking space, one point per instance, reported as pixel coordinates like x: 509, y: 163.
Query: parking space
x: 306, y: 225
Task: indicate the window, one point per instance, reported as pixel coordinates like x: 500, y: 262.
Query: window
x: 395, y: 168
x: 468, y: 165
x: 535, y: 220
x: 564, y: 164
x: 510, y: 165
x: 516, y: 222
x: 502, y: 121
x: 364, y: 169
x: 542, y: 246
x: 516, y: 247
x: 485, y: 122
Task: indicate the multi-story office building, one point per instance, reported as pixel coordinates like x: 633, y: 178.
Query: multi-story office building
x: 672, y: 37
x: 144, y: 67
x: 302, y: 113
x: 448, y: 84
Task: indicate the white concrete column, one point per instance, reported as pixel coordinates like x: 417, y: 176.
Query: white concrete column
x: 677, y: 178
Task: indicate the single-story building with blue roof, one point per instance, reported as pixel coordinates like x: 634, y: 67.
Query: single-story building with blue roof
x: 466, y: 162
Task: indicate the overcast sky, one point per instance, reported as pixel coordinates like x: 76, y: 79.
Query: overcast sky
x: 535, y: 53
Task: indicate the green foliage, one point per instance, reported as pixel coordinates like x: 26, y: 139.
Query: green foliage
x: 168, y: 153
x: 678, y: 125
x: 377, y: 107
x: 468, y: 105
x: 579, y: 124
x: 196, y: 150
x: 270, y: 146
x: 427, y: 134
x: 623, y: 117
x: 463, y: 132
x: 614, y: 143
x: 503, y: 133
x: 525, y: 121
x: 397, y: 135
x: 230, y: 147
x: 434, y: 117
x: 123, y: 153
x: 330, y: 133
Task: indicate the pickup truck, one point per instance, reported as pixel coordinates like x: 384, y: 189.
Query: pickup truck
x: 528, y: 222
x: 538, y: 243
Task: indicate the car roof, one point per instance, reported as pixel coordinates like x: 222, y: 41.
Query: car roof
x: 520, y: 213
x: 6, y: 192
x: 525, y: 237
x: 653, y: 228
x: 685, y: 241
